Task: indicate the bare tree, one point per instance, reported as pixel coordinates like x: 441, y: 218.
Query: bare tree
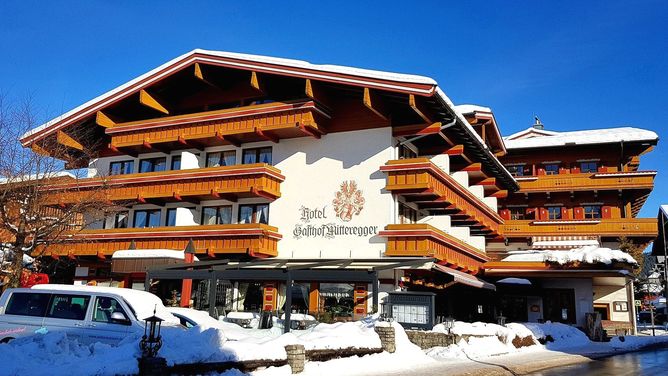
x: 635, y: 250
x: 35, y: 210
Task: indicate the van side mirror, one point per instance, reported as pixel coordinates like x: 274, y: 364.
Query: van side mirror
x: 119, y: 318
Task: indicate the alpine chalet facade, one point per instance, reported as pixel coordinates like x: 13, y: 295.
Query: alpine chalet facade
x: 277, y: 163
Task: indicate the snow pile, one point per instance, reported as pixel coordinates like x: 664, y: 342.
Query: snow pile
x: 479, y: 339
x: 589, y: 255
x: 56, y: 354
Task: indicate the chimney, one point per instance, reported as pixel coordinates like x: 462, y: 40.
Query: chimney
x: 537, y: 124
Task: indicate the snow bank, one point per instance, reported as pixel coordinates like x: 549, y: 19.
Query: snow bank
x: 588, y: 255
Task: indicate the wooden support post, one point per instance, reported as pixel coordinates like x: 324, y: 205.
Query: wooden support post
x: 104, y: 120
x: 66, y: 140
x: 149, y: 101
x: 420, y: 109
x: 373, y: 102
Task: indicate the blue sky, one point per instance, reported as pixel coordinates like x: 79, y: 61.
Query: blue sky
x: 577, y: 64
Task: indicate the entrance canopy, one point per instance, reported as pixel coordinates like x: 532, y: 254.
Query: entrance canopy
x: 463, y: 278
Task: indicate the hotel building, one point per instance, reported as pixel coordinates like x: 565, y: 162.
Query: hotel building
x: 268, y: 163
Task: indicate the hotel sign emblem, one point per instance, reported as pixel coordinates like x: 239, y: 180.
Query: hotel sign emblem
x: 348, y: 201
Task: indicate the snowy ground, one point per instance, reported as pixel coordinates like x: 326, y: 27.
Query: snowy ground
x: 490, y: 344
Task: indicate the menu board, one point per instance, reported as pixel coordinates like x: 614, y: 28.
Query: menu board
x: 410, y: 314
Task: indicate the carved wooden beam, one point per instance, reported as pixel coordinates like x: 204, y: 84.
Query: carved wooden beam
x: 500, y: 194
x: 199, y: 74
x: 473, y: 167
x: 315, y: 91
x: 39, y: 150
x: 226, y: 139
x: 373, y: 102
x: 266, y: 136
x: 309, y: 131
x: 149, y: 101
x: 487, y: 182
x: 256, y: 83
x: 420, y: 109
x: 190, y: 143
x: 66, y: 140
x: 104, y: 120
x: 416, y: 129
x: 155, y: 147
x: 176, y: 196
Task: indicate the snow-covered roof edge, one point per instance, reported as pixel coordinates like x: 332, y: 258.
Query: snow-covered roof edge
x: 584, y: 137
x: 399, y: 77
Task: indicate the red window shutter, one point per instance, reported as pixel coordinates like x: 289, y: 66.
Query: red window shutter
x: 504, y: 213
x: 564, y: 213
x: 543, y: 214
x: 606, y: 212
x: 541, y: 171
x: 576, y: 169
x: 578, y: 213
x: 602, y: 169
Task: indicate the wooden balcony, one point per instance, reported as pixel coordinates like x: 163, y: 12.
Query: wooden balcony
x: 255, y: 239
x: 226, y: 182
x: 428, y: 241
x: 645, y: 228
x: 421, y: 181
x: 642, y: 180
x: 264, y: 122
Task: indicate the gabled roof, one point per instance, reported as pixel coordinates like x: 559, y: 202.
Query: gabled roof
x: 536, y: 138
x: 414, y: 84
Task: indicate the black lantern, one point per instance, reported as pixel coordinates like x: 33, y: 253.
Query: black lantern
x: 449, y: 323
x: 151, y: 343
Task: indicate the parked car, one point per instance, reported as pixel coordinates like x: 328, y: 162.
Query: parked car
x: 645, y: 317
x: 189, y: 317
x: 87, y: 313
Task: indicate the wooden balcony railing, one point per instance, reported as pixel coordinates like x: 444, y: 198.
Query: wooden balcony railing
x: 270, y: 121
x: 586, y: 182
x: 613, y: 227
x: 424, y: 182
x: 425, y: 240
x: 254, y: 239
x: 230, y: 182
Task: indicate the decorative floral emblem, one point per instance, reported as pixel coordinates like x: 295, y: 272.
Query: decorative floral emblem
x: 349, y: 201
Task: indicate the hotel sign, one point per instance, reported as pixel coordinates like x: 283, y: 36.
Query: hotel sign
x: 348, y: 203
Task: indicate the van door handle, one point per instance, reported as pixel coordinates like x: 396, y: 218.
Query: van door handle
x: 78, y: 324
x: 91, y: 325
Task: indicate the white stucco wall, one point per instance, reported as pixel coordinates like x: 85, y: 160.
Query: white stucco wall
x: 314, y: 172
x: 608, y: 294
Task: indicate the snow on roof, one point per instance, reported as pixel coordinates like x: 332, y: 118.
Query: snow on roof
x: 514, y: 281
x: 587, y: 137
x: 141, y: 301
x: 587, y: 255
x: 368, y: 73
x: 664, y: 208
x: 44, y: 175
x: 149, y: 253
x: 471, y: 108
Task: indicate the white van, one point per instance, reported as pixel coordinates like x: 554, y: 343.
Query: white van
x: 87, y: 313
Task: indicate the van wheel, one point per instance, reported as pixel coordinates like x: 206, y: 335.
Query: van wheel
x: 6, y: 340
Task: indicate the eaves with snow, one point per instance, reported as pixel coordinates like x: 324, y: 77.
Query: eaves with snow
x: 585, y: 255
x: 539, y: 138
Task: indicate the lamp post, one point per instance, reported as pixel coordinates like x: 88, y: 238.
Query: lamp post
x: 449, y: 323
x: 151, y: 342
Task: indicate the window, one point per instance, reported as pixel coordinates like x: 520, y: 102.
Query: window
x: 176, y: 162
x: 153, y: 164
x: 517, y: 214
x: 216, y: 215
x: 552, y: 169
x: 121, y: 167
x: 254, y: 213
x: 121, y: 219
x: 592, y: 211
x: 588, y: 167
x: 72, y: 307
x: 407, y: 214
x: 516, y: 170
x: 171, y: 217
x: 104, y: 307
x: 554, y: 212
x: 258, y: 155
x: 221, y: 158
x: 27, y: 304
x: 147, y: 218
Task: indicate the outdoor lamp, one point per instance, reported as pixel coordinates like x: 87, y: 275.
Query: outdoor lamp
x: 449, y: 323
x: 151, y: 343
x: 501, y: 320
